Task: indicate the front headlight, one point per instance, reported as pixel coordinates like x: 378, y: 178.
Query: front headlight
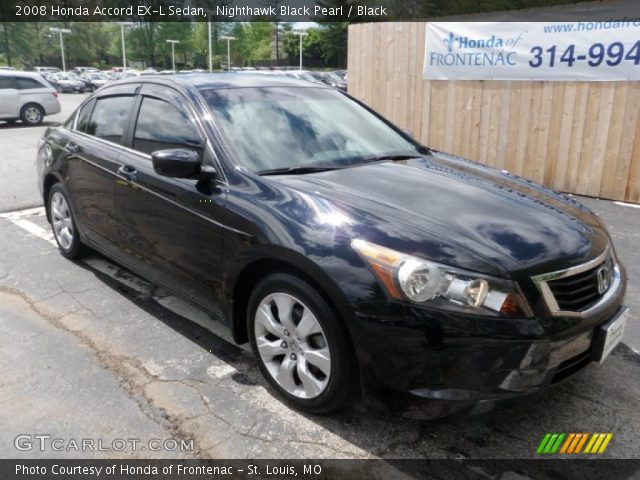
x: 430, y: 283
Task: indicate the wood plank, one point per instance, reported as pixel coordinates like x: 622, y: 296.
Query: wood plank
x: 625, y: 155
x: 554, y: 139
x: 503, y: 127
x: 575, y: 140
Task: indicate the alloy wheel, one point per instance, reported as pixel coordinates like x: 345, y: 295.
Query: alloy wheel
x: 292, y: 345
x: 61, y: 220
x: 33, y: 114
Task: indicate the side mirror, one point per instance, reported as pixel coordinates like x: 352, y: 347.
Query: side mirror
x: 180, y: 163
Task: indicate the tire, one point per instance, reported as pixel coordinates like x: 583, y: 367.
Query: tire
x: 31, y: 114
x: 63, y: 224
x: 316, y: 371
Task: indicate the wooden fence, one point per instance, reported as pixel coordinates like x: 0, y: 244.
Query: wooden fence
x: 578, y: 137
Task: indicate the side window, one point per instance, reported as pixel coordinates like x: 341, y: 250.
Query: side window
x: 161, y: 126
x: 83, y: 117
x: 24, y: 83
x: 109, y: 118
x: 6, y: 82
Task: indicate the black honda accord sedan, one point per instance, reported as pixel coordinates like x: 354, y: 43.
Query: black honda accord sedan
x: 352, y: 258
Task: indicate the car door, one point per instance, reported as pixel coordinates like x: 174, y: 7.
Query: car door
x: 93, y: 150
x: 171, y: 227
x: 9, y: 98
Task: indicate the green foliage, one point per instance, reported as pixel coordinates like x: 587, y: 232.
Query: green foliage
x: 324, y: 45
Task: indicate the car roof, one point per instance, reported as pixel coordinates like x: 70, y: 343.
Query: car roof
x: 18, y: 73
x: 208, y: 81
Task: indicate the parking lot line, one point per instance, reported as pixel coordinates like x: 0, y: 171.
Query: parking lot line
x: 623, y: 204
x: 125, y: 278
x: 18, y: 219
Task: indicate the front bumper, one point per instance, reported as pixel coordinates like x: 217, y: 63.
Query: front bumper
x: 469, y: 362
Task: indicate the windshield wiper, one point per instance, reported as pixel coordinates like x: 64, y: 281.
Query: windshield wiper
x: 297, y: 170
x: 392, y: 157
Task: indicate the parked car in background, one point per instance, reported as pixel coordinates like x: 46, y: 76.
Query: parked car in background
x: 66, y: 82
x: 352, y: 258
x: 342, y: 74
x: 93, y: 80
x: 46, y: 69
x: 10, y: 69
x: 299, y: 74
x: 79, y: 70
x: 331, y: 79
x: 27, y: 97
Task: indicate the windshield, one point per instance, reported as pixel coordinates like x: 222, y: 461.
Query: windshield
x: 98, y: 76
x: 63, y: 76
x: 283, y: 127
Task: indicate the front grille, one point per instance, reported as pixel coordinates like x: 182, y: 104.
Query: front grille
x: 578, y: 292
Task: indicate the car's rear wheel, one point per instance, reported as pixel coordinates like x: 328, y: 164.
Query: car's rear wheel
x: 31, y: 114
x: 63, y: 224
x: 300, y: 344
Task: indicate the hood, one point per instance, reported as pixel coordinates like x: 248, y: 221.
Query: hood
x: 417, y: 205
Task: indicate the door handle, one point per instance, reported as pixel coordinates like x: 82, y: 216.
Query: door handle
x: 128, y: 172
x: 72, y: 147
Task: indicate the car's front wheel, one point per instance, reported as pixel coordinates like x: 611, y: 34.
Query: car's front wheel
x: 63, y: 224
x: 301, y: 346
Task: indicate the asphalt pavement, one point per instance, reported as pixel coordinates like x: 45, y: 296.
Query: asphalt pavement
x: 90, y: 351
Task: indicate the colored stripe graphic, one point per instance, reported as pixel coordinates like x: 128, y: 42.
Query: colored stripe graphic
x: 573, y: 443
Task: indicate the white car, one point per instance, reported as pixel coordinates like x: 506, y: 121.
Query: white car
x: 27, y: 97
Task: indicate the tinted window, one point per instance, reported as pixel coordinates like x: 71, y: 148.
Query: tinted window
x: 27, y: 83
x: 83, y: 117
x: 161, y: 126
x: 6, y: 82
x: 109, y: 118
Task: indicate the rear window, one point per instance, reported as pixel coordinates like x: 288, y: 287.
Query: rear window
x: 109, y: 118
x: 24, y: 83
x: 6, y: 82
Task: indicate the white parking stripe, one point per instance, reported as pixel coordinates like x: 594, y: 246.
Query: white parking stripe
x: 29, y: 212
x: 623, y: 204
x: 126, y: 278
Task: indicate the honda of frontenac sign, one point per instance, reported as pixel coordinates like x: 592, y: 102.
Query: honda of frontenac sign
x: 589, y: 51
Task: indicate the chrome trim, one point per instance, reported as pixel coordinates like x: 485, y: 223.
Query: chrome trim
x: 540, y: 282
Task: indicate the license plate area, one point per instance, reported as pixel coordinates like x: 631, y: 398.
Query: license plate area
x: 609, y: 336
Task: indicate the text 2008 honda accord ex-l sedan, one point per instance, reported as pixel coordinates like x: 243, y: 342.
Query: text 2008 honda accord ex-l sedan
x: 352, y: 258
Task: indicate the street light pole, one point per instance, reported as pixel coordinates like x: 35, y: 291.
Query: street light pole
x: 173, y: 53
x: 210, y: 57
x: 61, y: 31
x: 228, y: 39
x: 300, y: 34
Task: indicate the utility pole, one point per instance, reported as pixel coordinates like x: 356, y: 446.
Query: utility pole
x: 124, y: 47
x: 300, y: 34
x: 228, y: 39
x: 173, y: 53
x: 61, y: 31
x: 210, y: 57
